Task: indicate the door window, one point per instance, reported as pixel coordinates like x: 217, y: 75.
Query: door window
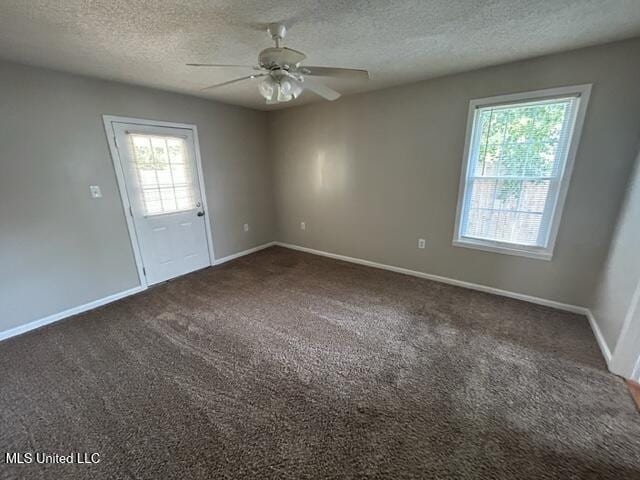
x: 163, y: 172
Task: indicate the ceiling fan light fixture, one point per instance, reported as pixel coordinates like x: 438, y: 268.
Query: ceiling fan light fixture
x: 291, y: 87
x: 280, y: 90
x: 283, y: 97
x: 269, y: 88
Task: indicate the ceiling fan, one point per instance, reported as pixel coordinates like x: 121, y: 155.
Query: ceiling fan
x: 284, y: 77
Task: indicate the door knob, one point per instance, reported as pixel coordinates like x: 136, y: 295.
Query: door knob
x: 200, y: 214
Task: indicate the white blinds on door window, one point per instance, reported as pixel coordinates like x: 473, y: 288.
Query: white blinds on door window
x: 163, y: 171
x: 516, y: 162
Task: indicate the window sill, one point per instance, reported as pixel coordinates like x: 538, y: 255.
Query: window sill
x: 494, y: 247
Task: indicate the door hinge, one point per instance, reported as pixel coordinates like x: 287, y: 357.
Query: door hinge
x: 144, y: 272
x: 115, y: 142
x: 130, y: 211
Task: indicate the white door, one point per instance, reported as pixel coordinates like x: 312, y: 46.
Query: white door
x: 161, y: 177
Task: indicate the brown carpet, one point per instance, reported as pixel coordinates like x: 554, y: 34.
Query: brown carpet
x: 287, y: 365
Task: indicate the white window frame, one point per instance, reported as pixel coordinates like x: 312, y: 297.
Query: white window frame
x: 582, y: 92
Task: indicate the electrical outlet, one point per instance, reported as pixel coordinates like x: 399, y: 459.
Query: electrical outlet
x: 303, y: 226
x: 246, y: 227
x: 95, y: 191
x: 422, y: 243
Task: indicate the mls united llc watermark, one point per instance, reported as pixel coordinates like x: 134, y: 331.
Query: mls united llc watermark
x: 25, y: 458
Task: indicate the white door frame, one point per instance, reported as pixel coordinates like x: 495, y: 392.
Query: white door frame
x: 108, y: 121
x: 625, y: 360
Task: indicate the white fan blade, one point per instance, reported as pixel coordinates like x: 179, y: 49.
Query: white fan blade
x: 356, y: 74
x: 320, y: 89
x: 221, y: 65
x: 248, y: 77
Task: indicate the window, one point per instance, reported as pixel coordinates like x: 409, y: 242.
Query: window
x: 518, y: 159
x: 164, y: 174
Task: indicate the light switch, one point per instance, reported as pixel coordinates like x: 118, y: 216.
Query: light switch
x: 95, y: 191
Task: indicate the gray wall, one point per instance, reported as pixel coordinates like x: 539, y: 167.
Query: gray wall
x: 58, y: 247
x: 372, y: 173
x: 621, y: 275
x: 369, y: 175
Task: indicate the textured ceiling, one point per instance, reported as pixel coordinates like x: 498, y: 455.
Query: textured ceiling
x: 399, y: 41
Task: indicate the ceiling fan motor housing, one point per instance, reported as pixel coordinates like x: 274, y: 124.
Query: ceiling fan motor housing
x: 274, y: 57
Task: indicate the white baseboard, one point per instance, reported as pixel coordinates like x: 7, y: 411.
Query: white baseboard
x: 20, y: 329
x: 451, y: 281
x: 243, y: 253
x: 602, y: 343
